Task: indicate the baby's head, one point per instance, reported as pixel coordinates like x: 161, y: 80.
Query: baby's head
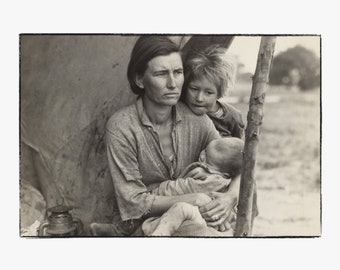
x: 224, y: 155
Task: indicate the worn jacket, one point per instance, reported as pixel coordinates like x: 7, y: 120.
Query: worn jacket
x: 231, y: 123
x: 135, y: 156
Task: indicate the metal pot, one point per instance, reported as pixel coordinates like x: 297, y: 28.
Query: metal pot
x: 60, y: 223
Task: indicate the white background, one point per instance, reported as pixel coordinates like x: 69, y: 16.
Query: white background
x: 209, y: 17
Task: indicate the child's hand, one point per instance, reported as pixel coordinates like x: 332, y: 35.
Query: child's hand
x: 198, y: 173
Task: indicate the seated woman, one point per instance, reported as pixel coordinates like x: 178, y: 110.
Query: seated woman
x: 154, y: 139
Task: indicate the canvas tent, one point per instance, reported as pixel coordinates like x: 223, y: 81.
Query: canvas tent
x: 69, y: 86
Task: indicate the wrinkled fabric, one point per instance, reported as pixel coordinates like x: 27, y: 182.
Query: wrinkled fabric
x: 32, y: 206
x: 216, y: 181
x: 69, y: 86
x: 230, y: 123
x: 135, y: 156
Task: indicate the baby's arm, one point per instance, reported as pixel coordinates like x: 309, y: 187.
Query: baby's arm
x: 194, y: 179
x: 182, y: 186
x: 197, y: 173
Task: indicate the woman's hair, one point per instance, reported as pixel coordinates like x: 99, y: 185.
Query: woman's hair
x: 145, y: 49
x: 213, y: 63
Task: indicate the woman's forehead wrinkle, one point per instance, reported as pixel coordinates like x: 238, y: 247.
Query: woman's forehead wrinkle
x: 157, y: 66
x: 171, y: 62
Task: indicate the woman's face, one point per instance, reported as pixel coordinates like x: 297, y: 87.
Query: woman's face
x: 163, y: 79
x: 201, y: 96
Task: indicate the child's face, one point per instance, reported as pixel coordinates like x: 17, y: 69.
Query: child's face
x: 201, y: 96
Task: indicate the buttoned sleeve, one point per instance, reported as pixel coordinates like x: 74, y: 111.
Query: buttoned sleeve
x: 133, y: 198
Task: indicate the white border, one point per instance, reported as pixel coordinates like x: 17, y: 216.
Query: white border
x: 253, y: 17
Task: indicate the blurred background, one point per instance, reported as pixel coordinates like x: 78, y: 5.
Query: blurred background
x: 288, y: 159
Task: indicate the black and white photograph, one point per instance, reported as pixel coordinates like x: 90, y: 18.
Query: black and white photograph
x: 170, y: 135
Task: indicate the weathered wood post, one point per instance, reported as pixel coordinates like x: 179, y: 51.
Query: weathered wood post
x: 254, y: 121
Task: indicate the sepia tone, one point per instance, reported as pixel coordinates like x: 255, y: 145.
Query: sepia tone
x: 71, y: 84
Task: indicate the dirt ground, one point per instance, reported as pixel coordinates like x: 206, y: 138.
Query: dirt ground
x: 288, y: 162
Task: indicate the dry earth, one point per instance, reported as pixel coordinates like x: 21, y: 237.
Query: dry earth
x: 288, y: 162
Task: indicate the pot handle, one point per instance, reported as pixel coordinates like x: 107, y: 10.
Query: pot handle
x: 41, y: 229
x: 79, y: 225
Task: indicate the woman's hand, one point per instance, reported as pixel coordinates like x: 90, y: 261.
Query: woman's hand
x: 218, y: 210
x: 201, y: 199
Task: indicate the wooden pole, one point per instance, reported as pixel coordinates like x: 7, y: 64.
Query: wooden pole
x: 254, y: 121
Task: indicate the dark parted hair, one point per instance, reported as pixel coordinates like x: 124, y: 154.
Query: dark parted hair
x: 145, y: 49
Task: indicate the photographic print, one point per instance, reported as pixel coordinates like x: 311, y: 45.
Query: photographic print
x: 125, y: 135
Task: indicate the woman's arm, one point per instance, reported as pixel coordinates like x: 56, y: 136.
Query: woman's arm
x: 222, y: 204
x: 133, y: 197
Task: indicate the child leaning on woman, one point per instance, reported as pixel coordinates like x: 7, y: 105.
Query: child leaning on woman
x: 209, y: 75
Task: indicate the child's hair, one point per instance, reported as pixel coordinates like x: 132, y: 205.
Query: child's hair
x: 226, y: 155
x: 216, y: 64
